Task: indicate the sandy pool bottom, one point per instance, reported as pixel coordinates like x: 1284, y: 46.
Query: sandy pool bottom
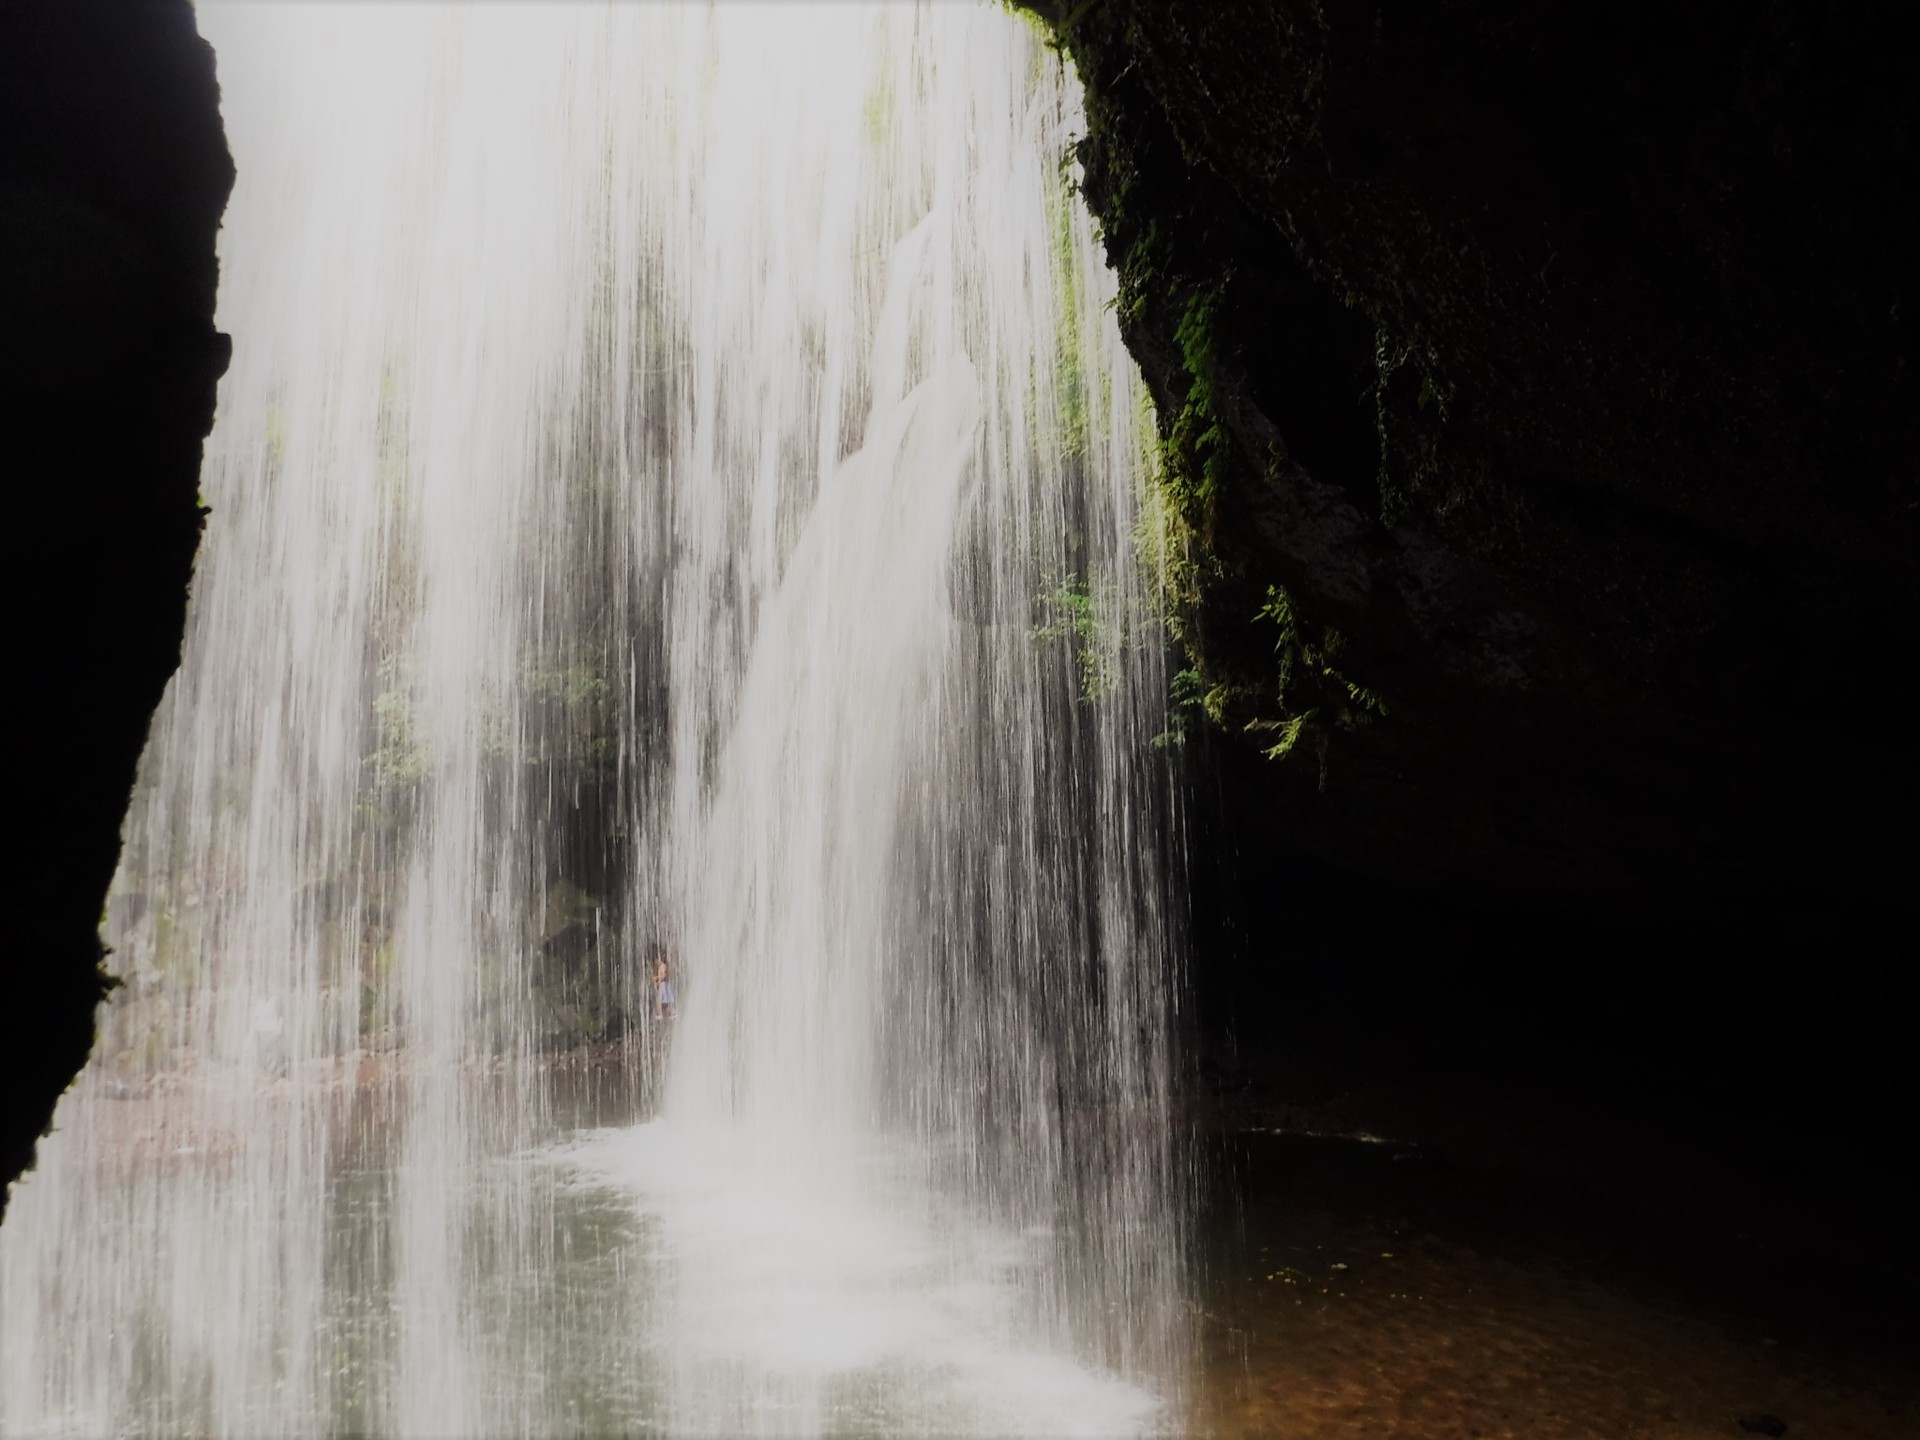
x: 1360, y: 1289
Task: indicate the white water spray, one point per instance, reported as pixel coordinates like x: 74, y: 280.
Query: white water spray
x: 677, y: 487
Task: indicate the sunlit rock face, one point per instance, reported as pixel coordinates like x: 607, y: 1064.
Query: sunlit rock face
x: 1537, y: 383
x: 679, y: 488
x: 113, y: 173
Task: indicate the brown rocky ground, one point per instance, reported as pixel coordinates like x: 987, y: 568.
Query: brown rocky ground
x: 1519, y: 1288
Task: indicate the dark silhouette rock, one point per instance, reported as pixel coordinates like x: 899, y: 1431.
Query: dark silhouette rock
x: 113, y: 176
x: 1541, y: 443
x: 1537, y: 391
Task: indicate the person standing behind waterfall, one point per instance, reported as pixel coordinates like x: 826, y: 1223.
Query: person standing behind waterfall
x: 662, y: 987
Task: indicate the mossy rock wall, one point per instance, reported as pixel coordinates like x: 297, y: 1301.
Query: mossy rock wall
x: 1539, y: 423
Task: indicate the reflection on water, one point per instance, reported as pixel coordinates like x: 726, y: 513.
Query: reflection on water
x: 644, y: 1279
x: 845, y: 1303
x: 630, y: 1278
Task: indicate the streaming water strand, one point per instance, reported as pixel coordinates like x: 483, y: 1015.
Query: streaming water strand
x: 678, y: 489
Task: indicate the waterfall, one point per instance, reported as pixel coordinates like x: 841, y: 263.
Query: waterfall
x: 679, y: 489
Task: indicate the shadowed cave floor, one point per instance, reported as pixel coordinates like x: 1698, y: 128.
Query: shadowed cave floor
x: 1368, y: 1288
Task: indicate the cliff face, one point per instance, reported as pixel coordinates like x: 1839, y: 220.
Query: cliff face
x: 113, y: 176
x: 1539, y: 420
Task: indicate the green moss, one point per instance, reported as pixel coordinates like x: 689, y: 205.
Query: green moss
x: 577, y: 686
x: 397, y: 758
x: 1194, y: 448
x: 567, y: 905
x: 376, y: 971
x: 1314, y: 696
x: 1087, y: 622
x: 879, y: 112
x: 1073, y: 416
x: 1161, y: 534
